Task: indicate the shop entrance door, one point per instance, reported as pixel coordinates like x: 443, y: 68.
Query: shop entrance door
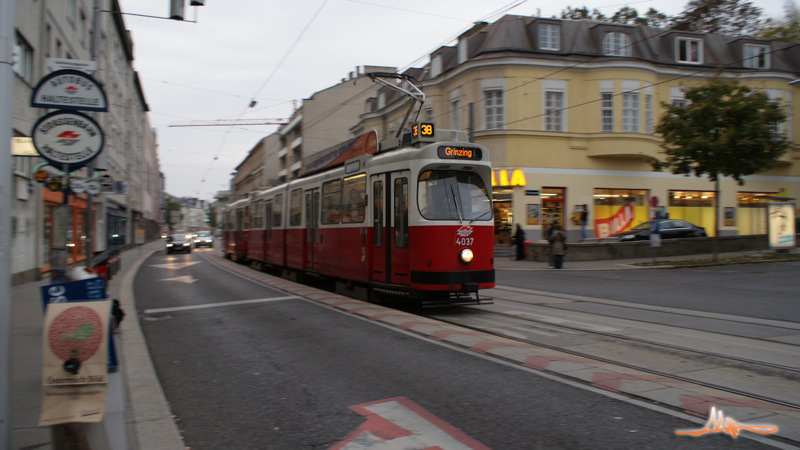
x: 553, y: 206
x: 503, y: 215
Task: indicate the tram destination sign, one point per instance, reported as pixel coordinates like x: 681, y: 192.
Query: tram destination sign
x: 69, y: 89
x: 67, y: 138
x: 456, y: 152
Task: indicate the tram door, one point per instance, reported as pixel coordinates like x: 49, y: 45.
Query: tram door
x: 312, y: 228
x: 381, y: 257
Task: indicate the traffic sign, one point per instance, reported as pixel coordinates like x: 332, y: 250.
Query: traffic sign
x: 107, y: 184
x: 69, y: 89
x: 93, y: 187
x: 68, y: 138
x: 41, y: 176
x: 77, y: 185
x: 54, y: 184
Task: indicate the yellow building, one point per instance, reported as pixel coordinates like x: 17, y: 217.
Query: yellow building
x: 568, y: 111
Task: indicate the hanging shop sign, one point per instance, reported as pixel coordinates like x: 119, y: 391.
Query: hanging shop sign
x: 67, y: 138
x: 22, y: 146
x: 69, y: 89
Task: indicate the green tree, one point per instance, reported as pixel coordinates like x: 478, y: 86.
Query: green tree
x: 212, y: 215
x: 731, y: 17
x: 583, y: 14
x: 785, y: 30
x: 171, y: 204
x: 724, y: 130
x: 626, y: 15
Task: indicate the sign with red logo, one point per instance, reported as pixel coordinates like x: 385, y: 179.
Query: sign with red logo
x: 620, y: 221
x: 69, y: 89
x: 67, y: 138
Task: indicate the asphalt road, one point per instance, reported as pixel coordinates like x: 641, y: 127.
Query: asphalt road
x: 290, y: 374
x: 766, y: 290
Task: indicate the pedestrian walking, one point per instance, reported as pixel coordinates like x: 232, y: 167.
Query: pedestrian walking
x: 584, y: 219
x: 519, y: 241
x: 558, y: 245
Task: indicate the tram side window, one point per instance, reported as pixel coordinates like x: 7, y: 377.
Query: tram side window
x: 268, y: 216
x: 377, y: 214
x: 257, y: 220
x: 296, y: 208
x: 331, y: 201
x: 239, y: 220
x: 246, y: 217
x: 355, y: 189
x: 401, y: 212
x: 277, y: 211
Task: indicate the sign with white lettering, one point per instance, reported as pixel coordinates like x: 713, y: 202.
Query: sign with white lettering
x: 67, y: 138
x: 69, y: 89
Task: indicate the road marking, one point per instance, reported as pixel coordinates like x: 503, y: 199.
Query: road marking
x: 557, y: 321
x: 400, y: 423
x: 188, y: 279
x: 216, y: 305
x: 176, y: 266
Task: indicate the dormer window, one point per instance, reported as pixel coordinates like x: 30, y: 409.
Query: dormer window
x: 755, y: 56
x: 436, y: 66
x: 462, y: 50
x: 549, y: 37
x: 381, y: 100
x: 689, y: 50
x: 617, y: 44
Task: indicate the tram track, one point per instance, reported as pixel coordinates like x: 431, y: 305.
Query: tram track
x: 749, y: 369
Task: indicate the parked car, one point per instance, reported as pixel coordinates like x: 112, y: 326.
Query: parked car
x: 668, y: 228
x: 178, y: 243
x: 203, y: 239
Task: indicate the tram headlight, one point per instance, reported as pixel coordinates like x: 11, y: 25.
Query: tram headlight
x: 465, y: 255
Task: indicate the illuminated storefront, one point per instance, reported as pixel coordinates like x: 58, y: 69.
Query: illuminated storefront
x: 751, y: 214
x: 503, y: 183
x: 618, y: 210
x: 696, y: 207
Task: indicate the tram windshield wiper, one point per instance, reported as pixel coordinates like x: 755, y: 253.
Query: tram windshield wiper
x: 479, y: 217
x: 455, y: 200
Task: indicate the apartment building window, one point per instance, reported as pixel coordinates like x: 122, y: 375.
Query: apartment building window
x: 23, y: 59
x: 607, y: 112
x: 554, y: 111
x: 617, y: 44
x: 436, y: 66
x: 756, y: 56
x: 689, y: 50
x: 630, y: 112
x: 549, y: 37
x: 454, y: 114
x: 72, y: 5
x: 785, y: 100
x: 494, y: 108
x: 648, y: 112
x: 462, y: 50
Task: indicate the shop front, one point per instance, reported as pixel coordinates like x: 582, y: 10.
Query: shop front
x: 504, y: 182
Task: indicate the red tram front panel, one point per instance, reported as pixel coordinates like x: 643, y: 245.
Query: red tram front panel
x: 435, y: 261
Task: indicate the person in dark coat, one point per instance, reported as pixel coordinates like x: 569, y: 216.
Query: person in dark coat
x: 558, y: 245
x: 519, y: 241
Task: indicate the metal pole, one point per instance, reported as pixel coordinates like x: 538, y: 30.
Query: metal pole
x: 7, y: 14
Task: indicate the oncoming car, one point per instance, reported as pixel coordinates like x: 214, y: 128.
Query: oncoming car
x: 178, y: 243
x: 667, y: 228
x: 203, y: 239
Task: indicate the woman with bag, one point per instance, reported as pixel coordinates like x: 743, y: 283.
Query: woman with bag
x: 519, y: 241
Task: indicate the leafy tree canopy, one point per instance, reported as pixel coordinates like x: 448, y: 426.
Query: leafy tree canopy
x: 785, y: 30
x: 725, y: 129
x: 731, y: 17
x: 625, y: 15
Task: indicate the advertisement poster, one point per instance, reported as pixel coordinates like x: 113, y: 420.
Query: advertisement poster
x: 65, y: 404
x: 75, y: 343
x: 780, y: 217
x: 533, y: 214
x: 619, y: 221
x: 729, y: 216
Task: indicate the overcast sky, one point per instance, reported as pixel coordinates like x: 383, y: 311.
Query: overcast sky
x: 282, y: 51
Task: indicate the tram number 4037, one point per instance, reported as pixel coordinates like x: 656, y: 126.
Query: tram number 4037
x: 465, y: 241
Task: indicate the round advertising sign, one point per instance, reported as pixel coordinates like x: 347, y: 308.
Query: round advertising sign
x: 67, y: 139
x: 77, y: 185
x: 41, y: 176
x: 93, y: 187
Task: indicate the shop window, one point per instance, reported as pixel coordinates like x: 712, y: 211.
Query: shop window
x: 618, y: 210
x: 553, y: 205
x: 752, y: 215
x: 696, y: 207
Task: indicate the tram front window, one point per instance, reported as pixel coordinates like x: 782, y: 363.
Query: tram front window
x: 453, y: 195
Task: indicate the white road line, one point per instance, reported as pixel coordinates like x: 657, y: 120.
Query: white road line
x: 216, y: 305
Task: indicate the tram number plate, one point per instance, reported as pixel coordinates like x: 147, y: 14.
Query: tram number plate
x: 465, y: 241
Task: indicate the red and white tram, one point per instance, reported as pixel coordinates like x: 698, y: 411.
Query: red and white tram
x: 410, y: 219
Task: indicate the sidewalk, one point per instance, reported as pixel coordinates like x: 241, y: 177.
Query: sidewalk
x: 137, y: 416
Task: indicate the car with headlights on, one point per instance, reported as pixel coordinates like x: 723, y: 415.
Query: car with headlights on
x: 203, y: 239
x: 667, y: 228
x: 179, y: 243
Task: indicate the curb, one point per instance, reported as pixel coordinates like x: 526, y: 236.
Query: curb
x: 151, y: 417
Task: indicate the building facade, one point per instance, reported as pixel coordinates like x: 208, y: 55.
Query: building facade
x: 568, y: 111
x: 50, y: 34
